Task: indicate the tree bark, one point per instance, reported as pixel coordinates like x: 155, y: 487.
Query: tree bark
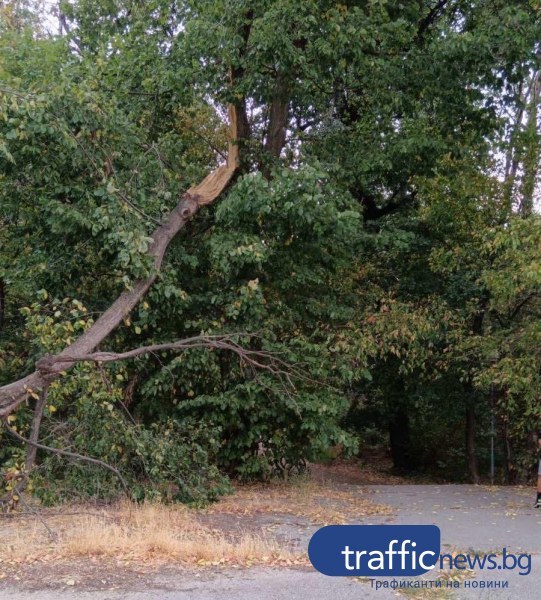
x: 511, y: 473
x: 34, y: 432
x: 279, y: 112
x: 471, y: 421
x: 399, y: 436
x: 523, y: 149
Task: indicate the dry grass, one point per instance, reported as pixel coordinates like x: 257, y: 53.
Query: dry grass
x: 322, y: 502
x: 140, y: 533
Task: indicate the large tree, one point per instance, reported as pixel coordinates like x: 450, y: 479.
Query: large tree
x: 315, y: 124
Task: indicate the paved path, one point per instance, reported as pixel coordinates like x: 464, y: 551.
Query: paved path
x: 475, y: 518
x: 470, y: 517
x: 253, y: 584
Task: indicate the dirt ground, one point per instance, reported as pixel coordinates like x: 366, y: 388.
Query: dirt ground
x: 50, y: 548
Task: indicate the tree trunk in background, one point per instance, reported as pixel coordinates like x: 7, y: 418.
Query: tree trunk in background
x: 524, y: 149
x: 399, y: 435
x: 509, y: 466
x: 471, y: 421
x: 532, y: 149
x: 512, y: 158
x: 473, y: 464
x: 276, y: 133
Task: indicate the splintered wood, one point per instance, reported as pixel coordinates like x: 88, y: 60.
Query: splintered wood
x: 214, y: 184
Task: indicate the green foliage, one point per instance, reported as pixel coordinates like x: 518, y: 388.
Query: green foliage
x: 167, y: 461
x: 295, y: 225
x: 461, y: 325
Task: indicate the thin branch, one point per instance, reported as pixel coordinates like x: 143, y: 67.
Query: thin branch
x: 135, y: 208
x: 60, y: 513
x: 434, y: 14
x: 11, y: 498
x: 521, y: 304
x: 73, y: 455
x: 52, y: 534
x: 258, y: 359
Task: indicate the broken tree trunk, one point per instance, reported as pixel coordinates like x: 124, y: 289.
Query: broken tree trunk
x: 49, y: 368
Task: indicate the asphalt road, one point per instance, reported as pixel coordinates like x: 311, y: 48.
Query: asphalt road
x: 469, y: 516
x: 253, y: 584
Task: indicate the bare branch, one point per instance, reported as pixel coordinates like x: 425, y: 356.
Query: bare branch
x: 521, y: 304
x: 432, y: 17
x: 258, y: 359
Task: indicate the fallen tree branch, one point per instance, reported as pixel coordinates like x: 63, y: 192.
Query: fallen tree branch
x: 14, y: 394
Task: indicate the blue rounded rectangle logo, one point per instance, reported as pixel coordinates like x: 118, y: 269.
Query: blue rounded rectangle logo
x: 372, y: 550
